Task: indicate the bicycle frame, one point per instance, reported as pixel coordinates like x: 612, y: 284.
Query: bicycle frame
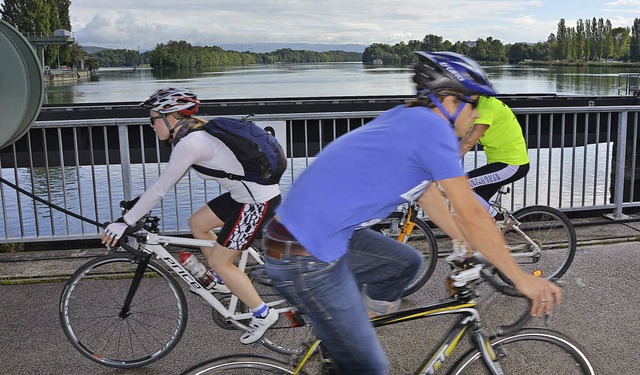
x: 155, y: 245
x: 515, y: 225
x: 469, y: 323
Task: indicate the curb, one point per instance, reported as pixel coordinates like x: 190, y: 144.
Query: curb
x: 39, y: 266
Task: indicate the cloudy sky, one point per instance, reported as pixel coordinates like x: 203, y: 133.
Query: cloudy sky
x: 142, y: 24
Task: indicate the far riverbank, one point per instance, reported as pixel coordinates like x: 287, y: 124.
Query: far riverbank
x: 599, y: 64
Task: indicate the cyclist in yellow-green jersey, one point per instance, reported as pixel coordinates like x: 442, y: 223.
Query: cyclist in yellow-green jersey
x: 500, y: 134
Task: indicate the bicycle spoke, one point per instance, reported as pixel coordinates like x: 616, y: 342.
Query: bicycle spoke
x: 152, y: 325
x: 543, y: 242
x: 532, y: 351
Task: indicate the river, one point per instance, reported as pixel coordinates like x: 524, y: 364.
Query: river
x: 75, y: 191
x: 318, y: 80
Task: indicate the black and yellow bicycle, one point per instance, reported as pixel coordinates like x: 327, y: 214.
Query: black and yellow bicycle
x: 511, y: 350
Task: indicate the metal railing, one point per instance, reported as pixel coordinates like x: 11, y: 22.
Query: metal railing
x: 582, y: 158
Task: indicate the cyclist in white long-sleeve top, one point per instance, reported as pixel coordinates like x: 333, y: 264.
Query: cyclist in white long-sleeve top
x: 240, y: 212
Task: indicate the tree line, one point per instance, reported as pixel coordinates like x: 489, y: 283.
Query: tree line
x: 589, y: 40
x: 180, y: 54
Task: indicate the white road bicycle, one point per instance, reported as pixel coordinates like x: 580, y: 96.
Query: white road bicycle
x: 126, y: 309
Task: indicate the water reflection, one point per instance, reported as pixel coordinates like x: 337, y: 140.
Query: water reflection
x: 561, y: 80
x: 320, y: 79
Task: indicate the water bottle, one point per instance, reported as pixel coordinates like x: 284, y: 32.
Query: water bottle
x: 197, y: 269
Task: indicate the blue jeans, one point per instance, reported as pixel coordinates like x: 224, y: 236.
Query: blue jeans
x: 329, y: 295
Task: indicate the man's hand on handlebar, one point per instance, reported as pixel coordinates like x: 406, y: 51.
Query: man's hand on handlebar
x: 542, y: 293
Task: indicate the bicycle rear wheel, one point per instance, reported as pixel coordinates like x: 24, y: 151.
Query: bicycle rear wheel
x: 538, y: 351
x: 92, y: 318
x: 240, y: 364
x: 421, y: 239
x: 549, y: 230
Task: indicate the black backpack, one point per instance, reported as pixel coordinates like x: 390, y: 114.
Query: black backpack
x: 257, y: 150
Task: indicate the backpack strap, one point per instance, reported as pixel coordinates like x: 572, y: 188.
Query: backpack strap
x: 214, y: 172
x: 220, y: 173
x: 217, y: 173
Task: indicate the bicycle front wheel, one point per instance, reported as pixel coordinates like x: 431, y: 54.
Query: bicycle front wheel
x: 240, y: 364
x: 93, y: 319
x: 421, y: 239
x: 551, y: 244
x: 538, y: 351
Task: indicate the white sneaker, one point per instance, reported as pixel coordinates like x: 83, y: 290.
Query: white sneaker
x: 258, y: 326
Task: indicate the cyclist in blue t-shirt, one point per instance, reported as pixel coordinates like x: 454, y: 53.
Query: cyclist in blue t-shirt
x: 322, y: 257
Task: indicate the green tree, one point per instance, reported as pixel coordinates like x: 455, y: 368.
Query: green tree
x: 609, y: 46
x: 634, y: 45
x: 554, y: 51
x: 415, y: 45
x: 518, y: 52
x: 41, y: 17
x: 588, y: 42
x: 461, y: 47
x: 595, y: 40
x: 496, y: 51
x: 432, y: 43
x: 580, y: 40
x: 571, y: 44
x: 480, y: 51
x: 562, y: 40
x: 541, y: 51
x: 376, y: 51
x: 621, y: 40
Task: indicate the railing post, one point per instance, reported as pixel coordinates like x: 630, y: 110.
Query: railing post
x: 125, y: 161
x: 621, y: 145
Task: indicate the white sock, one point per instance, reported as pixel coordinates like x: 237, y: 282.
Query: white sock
x: 261, y: 311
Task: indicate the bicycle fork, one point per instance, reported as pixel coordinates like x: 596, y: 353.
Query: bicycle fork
x: 407, y: 228
x: 489, y: 356
x: 135, y: 283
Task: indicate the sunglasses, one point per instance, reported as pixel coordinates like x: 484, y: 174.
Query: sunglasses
x: 153, y: 118
x: 468, y: 100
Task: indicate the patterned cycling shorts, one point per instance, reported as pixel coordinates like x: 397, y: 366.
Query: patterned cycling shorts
x: 242, y: 221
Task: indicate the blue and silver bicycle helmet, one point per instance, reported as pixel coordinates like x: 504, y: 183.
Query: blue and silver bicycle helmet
x: 450, y: 70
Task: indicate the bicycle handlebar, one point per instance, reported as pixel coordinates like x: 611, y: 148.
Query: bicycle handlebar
x: 510, y: 291
x: 147, y: 222
x: 476, y: 269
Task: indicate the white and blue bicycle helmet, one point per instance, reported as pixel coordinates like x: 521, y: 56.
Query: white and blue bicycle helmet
x: 450, y: 70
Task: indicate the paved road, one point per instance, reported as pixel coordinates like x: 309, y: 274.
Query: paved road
x: 599, y: 312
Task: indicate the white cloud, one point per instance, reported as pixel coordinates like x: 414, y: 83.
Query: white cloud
x: 145, y: 23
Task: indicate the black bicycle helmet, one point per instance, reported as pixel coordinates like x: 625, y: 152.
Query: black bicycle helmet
x: 450, y: 70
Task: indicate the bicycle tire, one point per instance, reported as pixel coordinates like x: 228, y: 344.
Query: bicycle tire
x: 532, y: 350
x: 421, y: 239
x: 91, y: 303
x: 552, y: 231
x: 234, y: 364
